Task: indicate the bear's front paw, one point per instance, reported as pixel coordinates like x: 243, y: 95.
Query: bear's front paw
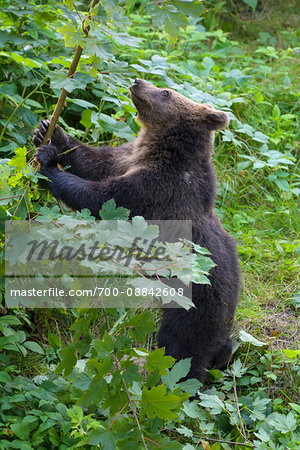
x: 58, y: 137
x: 46, y: 156
x: 40, y: 132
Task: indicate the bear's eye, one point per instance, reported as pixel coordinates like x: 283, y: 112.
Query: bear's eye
x: 165, y: 93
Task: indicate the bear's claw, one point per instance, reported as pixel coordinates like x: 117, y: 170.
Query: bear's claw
x: 39, y: 133
x: 58, y: 138
x: 46, y: 156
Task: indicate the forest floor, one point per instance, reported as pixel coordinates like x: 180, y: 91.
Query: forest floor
x: 265, y: 225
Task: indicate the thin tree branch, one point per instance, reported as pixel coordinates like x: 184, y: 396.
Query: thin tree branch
x: 238, y: 409
x: 63, y: 95
x: 117, y: 362
x: 134, y: 412
x: 20, y: 201
x: 115, y: 418
x: 229, y: 442
x: 222, y: 441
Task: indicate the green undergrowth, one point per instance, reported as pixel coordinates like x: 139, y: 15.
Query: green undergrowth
x: 94, y: 379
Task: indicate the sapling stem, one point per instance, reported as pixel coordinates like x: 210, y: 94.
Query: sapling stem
x: 71, y: 72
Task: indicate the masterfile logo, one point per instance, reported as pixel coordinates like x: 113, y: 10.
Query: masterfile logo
x: 115, y: 263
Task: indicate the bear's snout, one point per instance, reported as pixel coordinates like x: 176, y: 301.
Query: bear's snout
x: 138, y: 90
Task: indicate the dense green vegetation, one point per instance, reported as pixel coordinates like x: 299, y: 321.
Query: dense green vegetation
x: 90, y: 378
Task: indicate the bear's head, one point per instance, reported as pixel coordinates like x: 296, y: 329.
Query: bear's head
x: 160, y: 107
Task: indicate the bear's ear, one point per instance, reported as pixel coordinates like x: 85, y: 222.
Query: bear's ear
x: 215, y: 120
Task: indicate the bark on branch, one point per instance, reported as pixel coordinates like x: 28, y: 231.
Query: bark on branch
x: 63, y: 95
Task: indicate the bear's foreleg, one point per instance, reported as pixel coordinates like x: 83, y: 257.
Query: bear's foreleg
x: 79, y: 193
x: 86, y: 162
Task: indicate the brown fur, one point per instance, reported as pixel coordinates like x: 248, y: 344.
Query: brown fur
x: 166, y: 173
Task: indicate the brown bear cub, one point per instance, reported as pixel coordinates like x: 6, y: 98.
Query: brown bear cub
x: 165, y: 173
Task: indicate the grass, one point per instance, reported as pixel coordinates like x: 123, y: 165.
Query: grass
x: 267, y: 234
x: 264, y: 220
x: 271, y: 17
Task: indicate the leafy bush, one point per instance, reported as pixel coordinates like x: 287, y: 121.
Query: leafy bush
x: 108, y: 391
x: 96, y: 380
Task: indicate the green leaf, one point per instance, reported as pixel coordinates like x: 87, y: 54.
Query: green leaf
x: 237, y: 368
x: 282, y: 184
x: 251, y: 3
x: 24, y: 427
x: 142, y: 325
x: 9, y: 320
x: 158, y: 360
x: 8, y: 89
x: 185, y: 431
x: 178, y: 371
x: 216, y: 375
x: 4, y: 377
x: 71, y: 35
x: 197, y: 248
x: 81, y: 328
x: 29, y: 117
x: 117, y: 127
x: 276, y: 112
x: 19, y: 160
x: 34, y: 346
x: 213, y: 402
x: 260, y: 137
x: 94, y: 394
x: 104, y: 436
x: 33, y: 32
x: 81, y: 380
x: 295, y: 406
x: 246, y: 337
x: 138, y: 227
x: 82, y: 103
x: 69, y: 3
x: 190, y: 7
x: 291, y: 353
x: 110, y: 212
x: 54, y: 437
x: 259, y: 408
x: 27, y: 62
x: 75, y: 413
x: 263, y: 435
x: 54, y: 340
x: 282, y: 423
x: 59, y: 81
x: 192, y: 410
x: 86, y: 118
x: 68, y: 360
x: 93, y: 48
x: 192, y: 386
x: 159, y: 404
x: 130, y: 373
x: 204, y: 264
x: 104, y: 346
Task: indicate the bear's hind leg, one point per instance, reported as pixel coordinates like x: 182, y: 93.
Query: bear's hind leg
x: 223, y: 356
x: 177, y: 343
